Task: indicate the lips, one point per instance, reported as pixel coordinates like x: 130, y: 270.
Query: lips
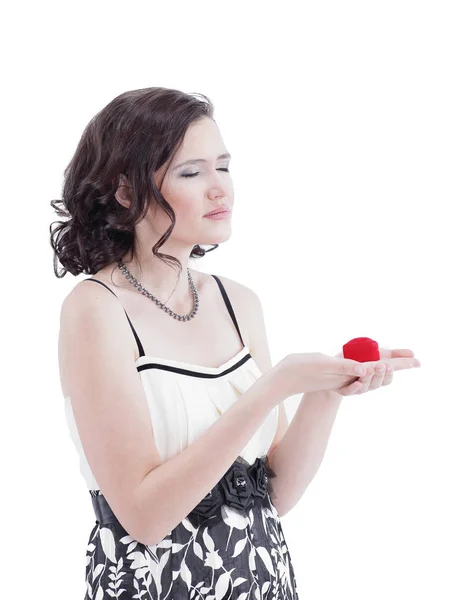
x: 217, y: 211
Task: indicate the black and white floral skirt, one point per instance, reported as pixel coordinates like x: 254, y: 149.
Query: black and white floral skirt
x: 230, y: 547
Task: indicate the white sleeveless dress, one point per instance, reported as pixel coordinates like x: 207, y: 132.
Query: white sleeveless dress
x: 231, y: 546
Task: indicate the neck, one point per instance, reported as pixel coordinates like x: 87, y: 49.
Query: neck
x: 161, y: 280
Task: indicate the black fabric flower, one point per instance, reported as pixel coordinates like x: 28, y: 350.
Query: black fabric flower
x: 241, y: 487
x: 258, y: 474
x: 237, y: 487
x: 209, y: 504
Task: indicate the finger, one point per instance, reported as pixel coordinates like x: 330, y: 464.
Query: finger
x: 349, y: 390
x: 347, y: 366
x: 380, y: 380
x: 363, y: 384
x: 377, y: 379
x: 388, y: 377
x: 385, y: 379
x: 398, y: 364
x: 395, y: 353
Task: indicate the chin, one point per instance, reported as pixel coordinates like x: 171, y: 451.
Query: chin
x: 219, y: 239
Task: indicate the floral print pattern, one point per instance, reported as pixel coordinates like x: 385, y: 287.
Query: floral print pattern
x: 230, y: 547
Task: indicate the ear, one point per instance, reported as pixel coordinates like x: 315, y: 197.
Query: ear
x: 123, y: 194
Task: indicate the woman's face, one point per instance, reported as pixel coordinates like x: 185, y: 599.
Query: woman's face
x: 194, y: 189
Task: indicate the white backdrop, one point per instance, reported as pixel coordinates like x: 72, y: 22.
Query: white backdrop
x: 348, y: 127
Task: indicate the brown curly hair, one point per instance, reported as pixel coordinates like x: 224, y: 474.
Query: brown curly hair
x: 135, y: 134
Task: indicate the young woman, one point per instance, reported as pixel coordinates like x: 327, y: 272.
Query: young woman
x: 171, y: 399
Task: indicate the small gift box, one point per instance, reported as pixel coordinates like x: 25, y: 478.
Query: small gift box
x: 361, y: 349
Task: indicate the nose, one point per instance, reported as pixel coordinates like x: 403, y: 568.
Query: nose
x: 219, y: 186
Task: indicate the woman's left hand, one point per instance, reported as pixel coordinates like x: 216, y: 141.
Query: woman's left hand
x: 392, y: 360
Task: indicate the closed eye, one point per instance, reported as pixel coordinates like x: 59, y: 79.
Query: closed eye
x: 195, y: 174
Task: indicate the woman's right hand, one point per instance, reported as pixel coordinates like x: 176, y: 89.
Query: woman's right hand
x: 304, y: 372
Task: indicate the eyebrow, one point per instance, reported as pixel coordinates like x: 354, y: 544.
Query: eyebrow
x: 200, y: 160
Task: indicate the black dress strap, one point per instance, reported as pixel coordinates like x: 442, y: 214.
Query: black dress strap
x: 228, y: 306
x: 137, y: 339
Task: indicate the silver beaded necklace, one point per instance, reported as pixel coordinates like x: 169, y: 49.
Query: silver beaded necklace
x: 145, y: 292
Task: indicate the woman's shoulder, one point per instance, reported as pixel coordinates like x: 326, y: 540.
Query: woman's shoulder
x: 235, y: 287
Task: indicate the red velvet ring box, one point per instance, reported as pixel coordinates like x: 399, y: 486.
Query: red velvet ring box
x: 361, y: 349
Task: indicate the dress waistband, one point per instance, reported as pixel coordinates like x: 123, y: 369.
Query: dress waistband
x: 242, y: 487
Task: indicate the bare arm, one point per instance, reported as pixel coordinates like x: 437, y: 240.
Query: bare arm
x: 303, y: 445
x: 169, y: 492
x: 148, y: 496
